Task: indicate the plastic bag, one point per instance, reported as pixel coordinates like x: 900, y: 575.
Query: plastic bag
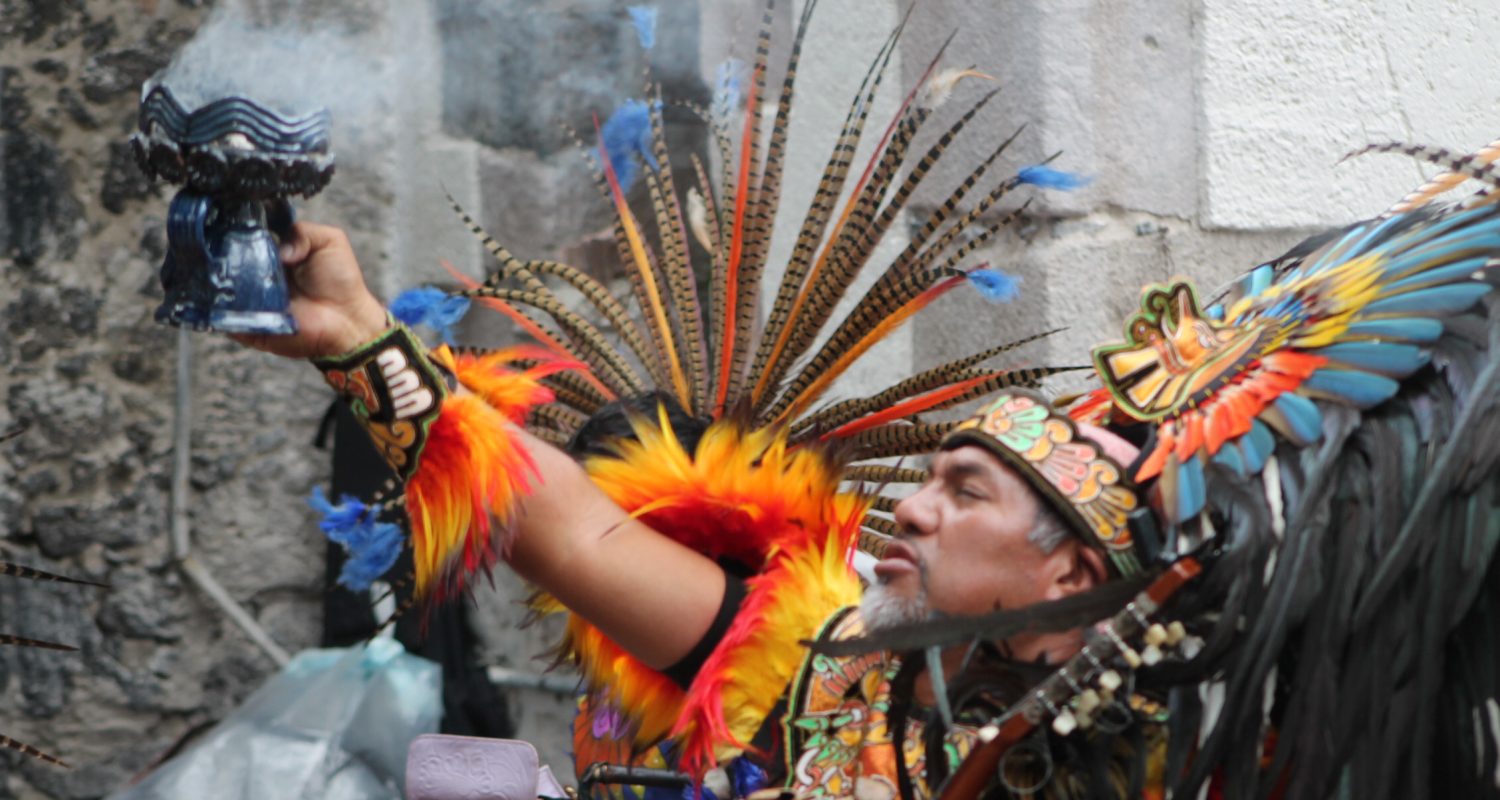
x: 332, y: 725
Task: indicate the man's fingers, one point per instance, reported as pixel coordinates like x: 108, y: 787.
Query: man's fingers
x: 308, y: 238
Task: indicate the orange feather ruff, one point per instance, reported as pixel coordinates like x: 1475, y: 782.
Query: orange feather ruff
x: 473, y: 468
x: 744, y: 496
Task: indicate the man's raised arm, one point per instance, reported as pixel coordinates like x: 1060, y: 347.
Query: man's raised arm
x: 569, y: 538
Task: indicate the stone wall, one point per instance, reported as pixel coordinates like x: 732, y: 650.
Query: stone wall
x: 1211, y: 130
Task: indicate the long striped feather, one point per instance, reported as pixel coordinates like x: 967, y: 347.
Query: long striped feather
x: 672, y: 228
x: 27, y: 750
x: 833, y: 272
x: 642, y: 263
x: 815, y: 222
x: 656, y: 365
x: 768, y: 191
x: 911, y: 407
x: 533, y: 328
x: 873, y: 320
x: 873, y: 187
x: 728, y: 325
x: 899, y: 439
x: 18, y: 571
x: 883, y: 473
x: 927, y: 380
x: 1469, y: 165
x: 597, y: 295
x: 594, y: 350
x: 1441, y: 183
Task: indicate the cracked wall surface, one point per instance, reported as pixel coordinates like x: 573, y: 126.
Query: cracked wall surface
x: 1212, y: 131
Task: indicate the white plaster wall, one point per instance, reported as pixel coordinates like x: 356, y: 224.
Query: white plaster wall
x: 1212, y: 130
x: 1289, y: 86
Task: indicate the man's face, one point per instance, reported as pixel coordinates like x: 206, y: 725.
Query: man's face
x: 966, y: 546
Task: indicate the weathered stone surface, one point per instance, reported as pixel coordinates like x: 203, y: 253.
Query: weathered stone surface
x: 503, y: 90
x: 31, y: 19
x: 123, y: 180
x: 40, y: 208
x: 117, y: 72
x: 138, y: 607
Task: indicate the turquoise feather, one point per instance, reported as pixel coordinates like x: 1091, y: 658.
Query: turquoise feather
x: 1302, y: 415
x: 1387, y: 358
x: 1428, y: 234
x: 1229, y: 457
x: 1257, y: 446
x: 1359, y: 389
x: 1461, y: 270
x: 1258, y: 280
x: 1404, y: 329
x: 1190, y: 494
x: 1437, y: 300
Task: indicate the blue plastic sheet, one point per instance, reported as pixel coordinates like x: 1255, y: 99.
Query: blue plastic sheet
x: 332, y: 725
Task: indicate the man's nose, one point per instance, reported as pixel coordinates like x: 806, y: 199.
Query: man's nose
x: 917, y: 514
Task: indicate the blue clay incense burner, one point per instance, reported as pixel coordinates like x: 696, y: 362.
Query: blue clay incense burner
x: 237, y: 163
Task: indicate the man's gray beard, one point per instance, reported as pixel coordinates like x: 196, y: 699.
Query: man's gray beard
x: 881, y: 608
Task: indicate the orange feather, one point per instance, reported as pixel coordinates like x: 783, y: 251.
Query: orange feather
x: 906, y: 408
x: 472, y: 469
x: 743, y: 495
x: 877, y: 333
x: 736, y: 247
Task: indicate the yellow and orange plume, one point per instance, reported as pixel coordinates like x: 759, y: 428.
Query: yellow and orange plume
x: 473, y: 468
x: 743, y: 495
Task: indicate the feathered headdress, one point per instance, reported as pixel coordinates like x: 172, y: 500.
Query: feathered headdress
x: 1326, y: 444
x: 763, y: 486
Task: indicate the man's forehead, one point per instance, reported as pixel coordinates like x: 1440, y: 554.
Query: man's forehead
x: 972, y: 458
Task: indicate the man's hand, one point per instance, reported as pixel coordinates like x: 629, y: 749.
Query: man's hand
x: 334, y: 310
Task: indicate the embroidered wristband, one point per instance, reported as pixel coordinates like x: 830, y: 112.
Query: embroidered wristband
x: 394, y: 390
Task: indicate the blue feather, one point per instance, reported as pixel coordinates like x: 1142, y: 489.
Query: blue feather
x: 1457, y: 271
x: 1049, y: 178
x: 1404, y: 329
x: 1215, y: 312
x: 1437, y: 300
x: 1229, y: 458
x: 729, y: 79
x: 1371, y: 234
x: 1361, y: 389
x: 372, y: 546
x: 1418, y: 237
x: 1257, y: 446
x: 748, y: 778
x: 994, y: 285
x: 1302, y: 415
x: 626, y: 134
x: 1258, y: 280
x: 1386, y: 358
x: 1190, y: 494
x: 644, y: 20
x: 432, y: 307
x: 1427, y: 258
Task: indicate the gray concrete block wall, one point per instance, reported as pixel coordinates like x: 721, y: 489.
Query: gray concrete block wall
x: 1212, y: 131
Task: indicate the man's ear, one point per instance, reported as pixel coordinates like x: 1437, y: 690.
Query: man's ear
x: 1075, y: 567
